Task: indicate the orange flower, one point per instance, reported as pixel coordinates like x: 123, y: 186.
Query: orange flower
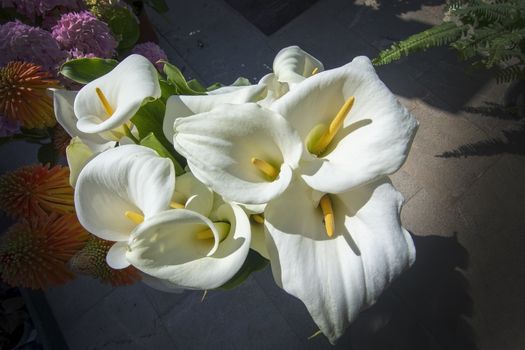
x: 23, y: 95
x: 35, y: 254
x: 91, y: 260
x: 36, y: 190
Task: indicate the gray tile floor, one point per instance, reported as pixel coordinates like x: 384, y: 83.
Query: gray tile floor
x: 463, y: 184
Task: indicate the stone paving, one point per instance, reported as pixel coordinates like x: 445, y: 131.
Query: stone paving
x: 463, y: 184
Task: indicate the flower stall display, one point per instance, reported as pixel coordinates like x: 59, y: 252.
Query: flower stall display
x: 186, y: 187
x: 36, y: 39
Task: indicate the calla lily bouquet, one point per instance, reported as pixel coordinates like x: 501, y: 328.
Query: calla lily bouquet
x: 199, y: 187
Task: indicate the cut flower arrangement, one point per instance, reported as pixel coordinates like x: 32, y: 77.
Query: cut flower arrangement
x: 197, y: 187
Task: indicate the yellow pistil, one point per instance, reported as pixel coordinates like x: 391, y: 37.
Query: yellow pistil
x: 223, y: 228
x: 258, y: 218
x: 328, y: 213
x: 176, y: 205
x: 336, y: 124
x: 315, y: 71
x: 266, y: 168
x: 104, y: 101
x: 134, y: 216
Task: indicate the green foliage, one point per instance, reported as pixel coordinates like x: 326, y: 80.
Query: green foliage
x: 84, y: 70
x: 439, y: 35
x: 152, y: 142
x: 177, y: 80
x: 489, y: 34
x: 124, y: 26
x: 148, y: 120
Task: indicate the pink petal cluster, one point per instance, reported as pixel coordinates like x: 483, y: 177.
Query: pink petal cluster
x: 83, y: 35
x: 33, y: 8
x: 22, y: 42
x: 152, y: 52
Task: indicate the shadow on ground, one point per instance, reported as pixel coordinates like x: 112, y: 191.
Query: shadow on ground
x: 426, y: 308
x: 512, y: 140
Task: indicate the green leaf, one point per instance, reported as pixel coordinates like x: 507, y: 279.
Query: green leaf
x: 176, y: 78
x: 124, y: 26
x: 440, y: 35
x: 167, y: 90
x: 47, y: 154
x: 84, y: 70
x: 148, y: 119
x: 196, y: 86
x: 214, y: 86
x: 152, y: 142
x: 254, y: 262
x: 242, y: 81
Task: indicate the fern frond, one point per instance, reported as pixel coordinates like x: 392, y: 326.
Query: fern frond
x: 491, y: 12
x: 510, y: 73
x: 439, y: 35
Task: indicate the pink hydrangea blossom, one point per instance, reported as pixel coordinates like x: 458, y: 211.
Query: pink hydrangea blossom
x: 22, y: 42
x: 82, y: 34
x: 152, y: 52
x: 33, y: 8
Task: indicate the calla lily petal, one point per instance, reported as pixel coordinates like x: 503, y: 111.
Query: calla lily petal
x: 63, y: 101
x: 127, y: 178
x: 78, y: 155
x: 167, y: 247
x: 337, y: 277
x: 195, y: 195
x: 292, y: 65
x: 125, y: 87
x: 116, y: 256
x: 259, y: 239
x: 375, y: 137
x: 274, y: 89
x: 220, y: 146
x: 179, y: 106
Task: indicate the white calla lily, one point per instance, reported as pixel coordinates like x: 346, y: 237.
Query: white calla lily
x: 193, y: 195
x: 179, y: 106
x: 78, y: 155
x: 245, y: 153
x: 337, y: 277
x: 353, y: 127
x: 63, y: 101
x: 121, y: 187
x: 256, y: 215
x: 187, y: 250
x: 292, y: 65
x: 106, y: 104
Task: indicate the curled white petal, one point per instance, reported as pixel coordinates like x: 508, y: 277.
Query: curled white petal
x: 167, y: 247
x: 376, y: 135
x: 337, y: 277
x: 116, y: 256
x: 194, y: 194
x: 126, y: 87
x: 292, y: 65
x: 127, y: 178
x: 63, y: 105
x: 183, y: 106
x: 219, y: 146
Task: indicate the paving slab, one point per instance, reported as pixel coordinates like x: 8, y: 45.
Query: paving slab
x: 462, y: 186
